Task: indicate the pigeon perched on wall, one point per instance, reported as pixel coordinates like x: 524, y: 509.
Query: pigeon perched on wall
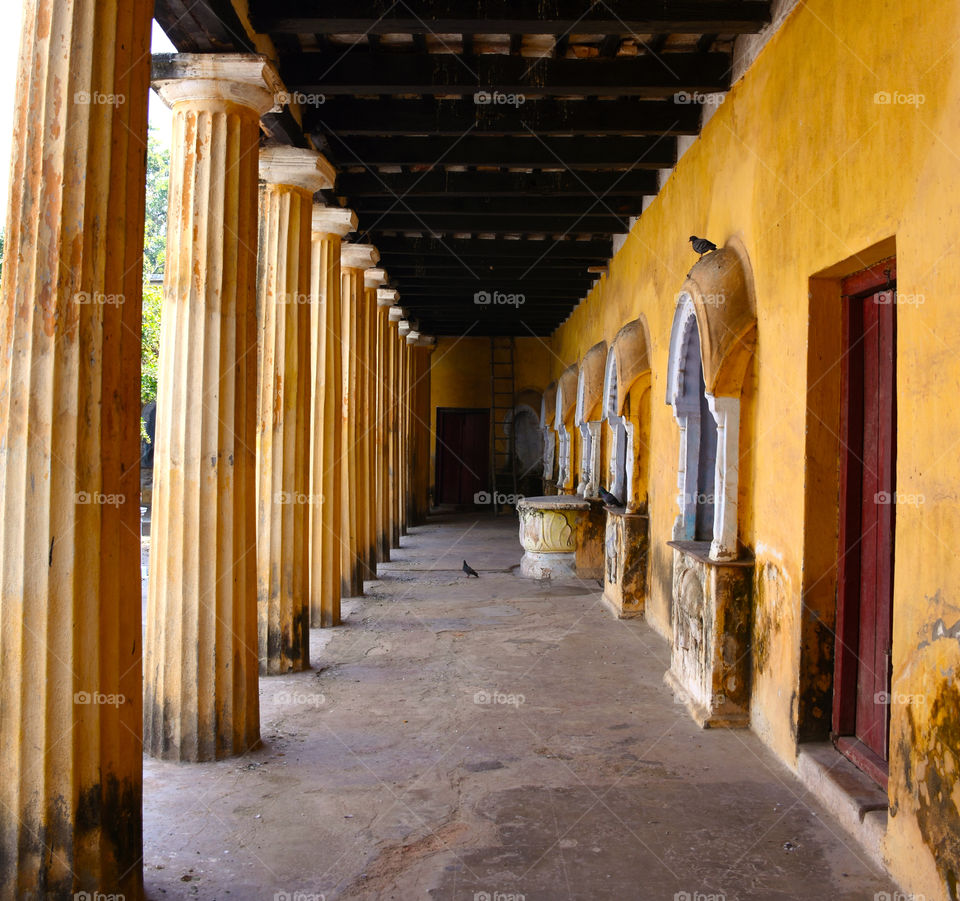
x: 611, y: 500
x: 469, y: 571
x: 702, y: 245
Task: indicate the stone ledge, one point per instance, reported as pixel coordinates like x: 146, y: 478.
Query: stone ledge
x: 858, y: 804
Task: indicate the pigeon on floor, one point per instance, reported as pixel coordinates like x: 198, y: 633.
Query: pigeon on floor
x: 469, y: 571
x: 702, y: 245
x: 611, y: 500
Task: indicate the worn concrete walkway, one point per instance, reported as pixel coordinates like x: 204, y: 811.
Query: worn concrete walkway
x: 491, y: 738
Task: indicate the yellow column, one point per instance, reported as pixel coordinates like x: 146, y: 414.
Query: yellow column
x: 70, y: 694
x: 354, y: 260
x: 386, y: 297
x: 291, y: 175
x: 330, y: 224
x: 200, y: 687
x: 395, y: 316
x: 373, y: 279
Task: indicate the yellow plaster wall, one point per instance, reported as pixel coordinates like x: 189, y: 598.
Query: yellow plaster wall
x: 806, y: 169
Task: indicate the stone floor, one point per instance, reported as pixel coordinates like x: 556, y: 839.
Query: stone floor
x: 490, y: 739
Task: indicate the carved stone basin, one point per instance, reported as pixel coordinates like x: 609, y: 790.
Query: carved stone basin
x: 548, y: 533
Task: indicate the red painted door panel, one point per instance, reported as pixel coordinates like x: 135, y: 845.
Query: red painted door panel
x: 463, y: 454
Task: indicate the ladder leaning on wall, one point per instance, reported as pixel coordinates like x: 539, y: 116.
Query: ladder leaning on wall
x: 503, y: 458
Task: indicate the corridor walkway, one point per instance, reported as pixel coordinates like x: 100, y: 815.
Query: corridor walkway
x: 490, y: 738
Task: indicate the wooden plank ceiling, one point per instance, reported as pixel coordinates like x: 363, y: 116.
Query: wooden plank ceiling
x: 487, y: 145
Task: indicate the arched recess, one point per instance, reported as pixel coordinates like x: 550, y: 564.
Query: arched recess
x: 548, y: 412
x: 523, y: 423
x: 587, y: 418
x: 563, y: 422
x: 712, y: 339
x: 626, y: 410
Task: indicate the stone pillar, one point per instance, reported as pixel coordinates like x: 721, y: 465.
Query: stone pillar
x: 373, y: 279
x: 330, y: 224
x: 354, y: 260
x: 200, y: 688
x: 386, y: 297
x: 70, y: 653
x: 290, y: 177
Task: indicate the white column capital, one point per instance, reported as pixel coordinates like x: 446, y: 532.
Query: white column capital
x: 405, y: 326
x: 387, y: 297
x: 374, y: 278
x: 396, y: 314
x: 297, y: 166
x: 333, y: 220
x: 427, y: 341
x: 247, y: 79
x: 359, y: 256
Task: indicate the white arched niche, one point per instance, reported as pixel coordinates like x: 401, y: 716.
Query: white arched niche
x: 621, y: 434
x: 563, y: 420
x: 548, y: 410
x: 588, y: 417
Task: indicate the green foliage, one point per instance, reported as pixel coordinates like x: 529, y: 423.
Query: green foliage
x: 150, y: 352
x: 155, y: 232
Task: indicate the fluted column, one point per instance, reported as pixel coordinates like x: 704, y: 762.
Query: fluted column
x: 291, y: 175
x: 330, y: 224
x: 354, y: 260
x: 201, y: 700
x: 373, y: 279
x: 395, y: 315
x: 70, y: 654
x: 386, y: 297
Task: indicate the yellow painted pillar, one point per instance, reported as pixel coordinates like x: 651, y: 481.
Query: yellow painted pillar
x: 330, y: 224
x: 70, y: 654
x: 200, y: 688
x: 395, y: 316
x: 386, y: 297
x: 290, y: 177
x: 365, y: 420
x: 354, y: 260
x: 373, y: 280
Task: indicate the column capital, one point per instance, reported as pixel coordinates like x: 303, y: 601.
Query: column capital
x: 359, y: 256
x: 247, y: 79
x: 405, y: 326
x: 396, y: 314
x: 333, y: 220
x: 281, y: 164
x: 427, y: 341
x: 387, y: 297
x: 413, y: 336
x: 374, y: 278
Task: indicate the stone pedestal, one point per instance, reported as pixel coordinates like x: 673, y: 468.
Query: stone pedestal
x: 70, y: 629
x: 625, y: 546
x: 590, y: 531
x: 291, y: 176
x: 330, y: 224
x: 200, y: 687
x: 710, y: 661
x: 548, y: 533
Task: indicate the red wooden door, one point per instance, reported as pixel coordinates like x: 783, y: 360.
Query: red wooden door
x: 463, y: 455
x: 868, y: 517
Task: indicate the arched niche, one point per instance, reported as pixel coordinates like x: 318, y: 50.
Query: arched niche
x: 563, y: 422
x: 713, y: 336
x: 627, y: 366
x: 587, y: 417
x: 548, y: 412
x: 523, y: 423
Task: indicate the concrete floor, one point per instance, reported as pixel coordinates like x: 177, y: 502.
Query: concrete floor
x: 491, y: 739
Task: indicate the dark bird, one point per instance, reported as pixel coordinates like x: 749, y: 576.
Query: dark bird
x: 702, y: 245
x: 469, y: 571
x: 611, y: 500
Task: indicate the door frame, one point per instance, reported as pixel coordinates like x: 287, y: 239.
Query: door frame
x: 440, y: 450
x: 847, y: 634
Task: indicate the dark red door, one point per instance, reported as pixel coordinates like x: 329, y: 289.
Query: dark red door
x: 868, y: 517
x: 463, y: 454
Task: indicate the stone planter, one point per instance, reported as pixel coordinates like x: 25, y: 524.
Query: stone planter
x: 625, y: 562
x: 548, y: 533
x: 710, y: 661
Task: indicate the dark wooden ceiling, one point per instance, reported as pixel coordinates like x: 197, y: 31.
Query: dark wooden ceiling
x: 487, y: 145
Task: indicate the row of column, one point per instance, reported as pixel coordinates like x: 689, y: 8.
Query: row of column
x: 292, y: 422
